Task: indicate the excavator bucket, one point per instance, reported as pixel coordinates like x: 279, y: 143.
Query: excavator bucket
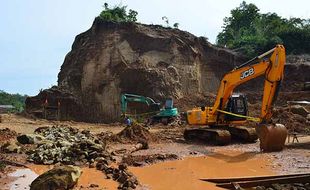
x: 271, y: 136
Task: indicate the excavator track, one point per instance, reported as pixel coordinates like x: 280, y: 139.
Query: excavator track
x: 243, y: 134
x: 208, y: 135
x: 221, y: 135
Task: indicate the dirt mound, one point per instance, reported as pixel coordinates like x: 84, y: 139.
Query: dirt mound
x: 293, y: 122
x: 134, y: 133
x: 7, y: 134
x: 140, y: 160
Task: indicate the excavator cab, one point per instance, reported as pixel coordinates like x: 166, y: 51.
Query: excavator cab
x: 237, y: 104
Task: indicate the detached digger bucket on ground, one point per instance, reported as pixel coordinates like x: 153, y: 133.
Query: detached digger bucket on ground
x: 271, y: 136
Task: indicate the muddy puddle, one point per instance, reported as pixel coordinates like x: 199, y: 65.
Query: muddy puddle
x: 185, y: 174
x: 180, y: 174
x: 23, y: 178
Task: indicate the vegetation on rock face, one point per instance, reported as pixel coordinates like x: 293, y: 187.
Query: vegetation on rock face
x: 250, y: 32
x: 17, y: 100
x: 118, y: 14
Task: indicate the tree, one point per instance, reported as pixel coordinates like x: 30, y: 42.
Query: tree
x: 118, y: 14
x: 176, y: 25
x: 166, y: 20
x: 250, y: 32
x: 16, y: 100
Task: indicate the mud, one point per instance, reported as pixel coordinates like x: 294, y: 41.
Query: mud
x: 141, y: 160
x: 7, y: 134
x: 194, y: 160
x: 186, y: 173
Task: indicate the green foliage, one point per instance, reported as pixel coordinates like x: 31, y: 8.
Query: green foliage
x: 166, y: 20
x: 118, y: 14
x: 251, y: 32
x: 176, y: 25
x: 17, y: 100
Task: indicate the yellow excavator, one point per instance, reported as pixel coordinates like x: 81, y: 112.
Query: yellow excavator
x: 229, y: 114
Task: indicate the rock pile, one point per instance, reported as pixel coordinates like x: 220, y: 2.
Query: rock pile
x: 121, y: 174
x: 294, y: 119
x: 134, y: 133
x: 140, y: 160
x: 67, y: 145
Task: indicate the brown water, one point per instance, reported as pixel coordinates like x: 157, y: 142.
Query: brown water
x: 185, y: 174
x: 181, y: 174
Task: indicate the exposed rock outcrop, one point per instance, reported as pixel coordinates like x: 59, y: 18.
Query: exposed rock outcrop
x: 113, y: 58
x: 150, y: 60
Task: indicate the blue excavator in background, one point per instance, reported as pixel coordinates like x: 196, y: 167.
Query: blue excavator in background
x: 156, y: 114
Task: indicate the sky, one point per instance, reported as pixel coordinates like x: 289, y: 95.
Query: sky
x: 36, y: 35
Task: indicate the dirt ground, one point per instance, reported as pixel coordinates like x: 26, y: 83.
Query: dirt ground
x: 169, y: 161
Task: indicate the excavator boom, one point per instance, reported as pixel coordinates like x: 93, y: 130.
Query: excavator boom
x: 271, y: 68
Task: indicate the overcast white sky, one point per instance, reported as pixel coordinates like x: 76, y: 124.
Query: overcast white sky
x: 36, y: 35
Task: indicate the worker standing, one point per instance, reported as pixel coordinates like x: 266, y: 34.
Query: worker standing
x: 127, y: 121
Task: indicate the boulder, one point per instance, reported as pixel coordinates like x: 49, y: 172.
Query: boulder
x: 58, y: 178
x: 308, y: 117
x: 300, y: 110
x: 30, y: 139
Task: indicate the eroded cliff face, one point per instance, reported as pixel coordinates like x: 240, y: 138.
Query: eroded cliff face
x: 114, y: 58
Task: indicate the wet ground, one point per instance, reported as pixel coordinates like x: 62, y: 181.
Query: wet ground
x: 179, y: 174
x: 186, y: 173
x: 195, y: 161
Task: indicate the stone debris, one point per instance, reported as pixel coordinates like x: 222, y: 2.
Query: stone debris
x: 67, y: 145
x: 61, y: 177
x: 121, y: 174
x: 140, y: 160
x: 300, y: 110
x: 293, y: 122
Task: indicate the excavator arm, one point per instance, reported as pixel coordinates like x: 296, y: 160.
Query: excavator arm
x: 271, y: 68
x: 125, y: 98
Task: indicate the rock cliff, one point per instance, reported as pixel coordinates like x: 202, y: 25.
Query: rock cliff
x: 114, y: 58
x: 150, y: 60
